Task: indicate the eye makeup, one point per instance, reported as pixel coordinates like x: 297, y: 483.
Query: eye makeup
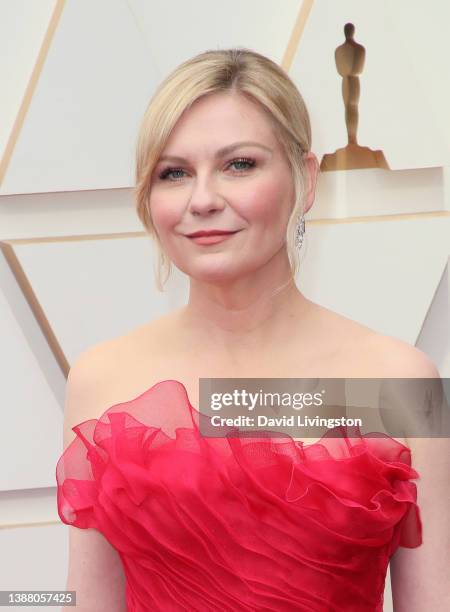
x: 239, y: 160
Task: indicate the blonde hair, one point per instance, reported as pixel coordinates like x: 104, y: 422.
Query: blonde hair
x: 237, y: 70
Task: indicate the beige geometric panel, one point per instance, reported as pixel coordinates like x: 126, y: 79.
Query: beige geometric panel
x: 32, y: 393
x: 80, y: 129
x: 423, y: 34
x: 373, y: 191
x: 434, y: 335
x: 23, y: 507
x: 397, y: 113
x: 387, y: 603
x: 23, y: 25
x: 382, y: 273
x: 262, y: 25
x: 57, y: 214
x: 34, y: 558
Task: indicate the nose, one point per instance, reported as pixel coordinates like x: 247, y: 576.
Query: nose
x: 204, y: 200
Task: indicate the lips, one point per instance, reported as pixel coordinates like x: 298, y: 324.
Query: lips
x: 210, y: 233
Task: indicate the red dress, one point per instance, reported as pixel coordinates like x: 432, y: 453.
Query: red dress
x: 231, y: 524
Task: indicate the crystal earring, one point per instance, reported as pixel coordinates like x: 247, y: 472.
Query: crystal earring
x: 299, y: 232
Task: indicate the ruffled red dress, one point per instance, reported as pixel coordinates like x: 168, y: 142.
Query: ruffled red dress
x: 238, y: 523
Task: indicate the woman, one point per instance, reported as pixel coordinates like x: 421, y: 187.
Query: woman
x: 163, y: 519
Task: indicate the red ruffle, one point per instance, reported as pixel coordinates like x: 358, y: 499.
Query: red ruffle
x: 238, y: 523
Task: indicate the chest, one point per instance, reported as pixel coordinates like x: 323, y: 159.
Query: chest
x: 138, y: 375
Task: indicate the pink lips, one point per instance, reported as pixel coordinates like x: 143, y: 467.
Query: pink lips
x: 212, y: 232
x: 210, y: 237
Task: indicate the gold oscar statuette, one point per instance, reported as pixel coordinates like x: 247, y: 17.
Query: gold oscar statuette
x: 349, y: 59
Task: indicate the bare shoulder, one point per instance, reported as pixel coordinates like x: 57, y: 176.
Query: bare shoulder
x: 105, y: 357
x: 395, y: 358
x: 84, y: 385
x: 108, y: 372
x: 372, y: 353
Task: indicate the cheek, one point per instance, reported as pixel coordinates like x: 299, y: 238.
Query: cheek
x: 164, y: 217
x: 268, y: 202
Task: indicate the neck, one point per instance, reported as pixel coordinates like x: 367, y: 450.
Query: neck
x: 245, y: 315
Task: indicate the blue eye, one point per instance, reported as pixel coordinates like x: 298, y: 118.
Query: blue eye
x: 241, y: 160
x: 165, y: 173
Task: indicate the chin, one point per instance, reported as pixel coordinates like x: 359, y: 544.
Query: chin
x: 212, y: 275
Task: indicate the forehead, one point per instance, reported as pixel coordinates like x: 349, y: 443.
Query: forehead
x: 222, y: 118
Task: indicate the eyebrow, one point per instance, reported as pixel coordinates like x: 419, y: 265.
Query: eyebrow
x: 220, y: 152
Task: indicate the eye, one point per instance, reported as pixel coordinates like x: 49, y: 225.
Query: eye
x: 243, y: 160
x: 240, y: 160
x: 165, y: 173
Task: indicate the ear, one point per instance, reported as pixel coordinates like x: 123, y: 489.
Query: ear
x: 312, y: 167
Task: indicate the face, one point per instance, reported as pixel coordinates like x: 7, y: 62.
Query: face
x: 247, y: 189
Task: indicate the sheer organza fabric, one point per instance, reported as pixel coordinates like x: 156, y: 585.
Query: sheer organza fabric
x: 238, y: 523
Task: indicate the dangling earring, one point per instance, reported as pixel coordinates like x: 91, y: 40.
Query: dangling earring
x: 299, y: 232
